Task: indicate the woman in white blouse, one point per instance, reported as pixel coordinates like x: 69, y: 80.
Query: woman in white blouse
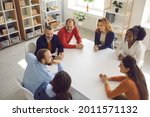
x: 132, y: 46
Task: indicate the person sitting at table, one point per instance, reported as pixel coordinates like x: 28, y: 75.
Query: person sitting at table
x: 132, y: 46
x: 50, y: 41
x: 66, y: 33
x: 104, y: 35
x: 57, y: 89
x: 37, y: 71
x: 132, y: 86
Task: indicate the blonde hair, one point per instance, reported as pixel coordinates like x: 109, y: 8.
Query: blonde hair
x: 106, y: 23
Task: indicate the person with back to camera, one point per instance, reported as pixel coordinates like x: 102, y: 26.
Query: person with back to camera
x: 132, y: 86
x: 50, y: 41
x: 132, y: 46
x: 104, y: 35
x: 57, y: 89
x: 66, y: 33
x: 37, y: 70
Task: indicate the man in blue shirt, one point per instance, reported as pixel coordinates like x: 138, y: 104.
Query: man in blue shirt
x: 37, y: 71
x: 50, y: 41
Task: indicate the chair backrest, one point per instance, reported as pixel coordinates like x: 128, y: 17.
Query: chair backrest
x: 30, y: 47
x: 27, y: 93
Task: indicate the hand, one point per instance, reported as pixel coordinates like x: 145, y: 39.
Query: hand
x: 103, y: 78
x: 79, y: 46
x: 95, y: 48
x: 56, y: 61
x: 60, y: 55
x: 120, y: 56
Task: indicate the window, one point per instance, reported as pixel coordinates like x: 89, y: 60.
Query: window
x: 96, y: 7
x: 146, y: 15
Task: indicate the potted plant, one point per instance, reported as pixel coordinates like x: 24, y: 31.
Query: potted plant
x: 118, y: 5
x: 88, y: 1
x: 80, y: 16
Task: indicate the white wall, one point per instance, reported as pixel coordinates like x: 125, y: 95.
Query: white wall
x: 144, y: 22
x: 136, y: 18
x: 62, y: 9
x: 137, y: 12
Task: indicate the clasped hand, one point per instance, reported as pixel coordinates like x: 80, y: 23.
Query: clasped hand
x: 79, y: 46
x: 103, y: 78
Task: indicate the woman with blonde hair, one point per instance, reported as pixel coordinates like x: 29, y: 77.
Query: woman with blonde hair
x: 104, y: 35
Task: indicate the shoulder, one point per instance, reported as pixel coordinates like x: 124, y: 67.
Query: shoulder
x: 97, y: 32
x: 61, y: 33
x: 55, y: 39
x: 110, y: 33
x: 75, y: 28
x: 41, y: 38
x: 62, y: 29
x: 128, y: 81
x: 55, y: 36
x: 138, y: 45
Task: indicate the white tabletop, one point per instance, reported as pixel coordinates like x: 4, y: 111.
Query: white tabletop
x: 84, y: 67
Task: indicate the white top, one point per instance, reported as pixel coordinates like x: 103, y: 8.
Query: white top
x: 137, y: 51
x: 102, y: 37
x: 49, y: 91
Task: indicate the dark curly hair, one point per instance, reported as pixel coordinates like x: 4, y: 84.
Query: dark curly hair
x: 61, y: 84
x: 138, y: 32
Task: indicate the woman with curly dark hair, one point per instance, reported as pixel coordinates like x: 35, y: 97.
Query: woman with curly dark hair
x: 58, y: 89
x: 132, y: 86
x: 132, y: 46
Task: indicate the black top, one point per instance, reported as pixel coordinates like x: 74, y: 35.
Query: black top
x: 108, y: 41
x: 55, y: 42
x: 40, y: 93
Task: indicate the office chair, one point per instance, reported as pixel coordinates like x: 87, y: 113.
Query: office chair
x: 30, y: 47
x: 27, y: 93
